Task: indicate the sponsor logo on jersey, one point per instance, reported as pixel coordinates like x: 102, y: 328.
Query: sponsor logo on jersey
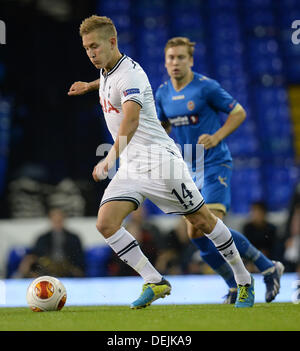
x: 194, y: 119
x: 184, y: 120
x: 107, y: 106
x: 131, y: 91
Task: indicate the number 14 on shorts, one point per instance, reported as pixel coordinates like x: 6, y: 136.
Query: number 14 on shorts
x: 185, y: 198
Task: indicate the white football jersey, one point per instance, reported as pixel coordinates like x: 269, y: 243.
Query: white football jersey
x: 128, y: 81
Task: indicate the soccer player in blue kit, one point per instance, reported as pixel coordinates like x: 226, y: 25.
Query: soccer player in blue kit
x: 189, y: 103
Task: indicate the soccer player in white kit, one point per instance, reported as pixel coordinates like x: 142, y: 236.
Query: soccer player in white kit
x: 151, y: 165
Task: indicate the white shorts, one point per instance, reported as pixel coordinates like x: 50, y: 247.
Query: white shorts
x: 169, y: 186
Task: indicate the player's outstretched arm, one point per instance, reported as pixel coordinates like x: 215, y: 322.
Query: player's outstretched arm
x: 81, y: 88
x: 233, y: 121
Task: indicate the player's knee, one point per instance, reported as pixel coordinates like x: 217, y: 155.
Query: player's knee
x: 203, y: 221
x: 198, y: 224
x: 194, y: 233
x: 105, y: 228
x: 202, y: 226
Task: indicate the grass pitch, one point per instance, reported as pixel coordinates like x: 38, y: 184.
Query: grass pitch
x: 208, y: 317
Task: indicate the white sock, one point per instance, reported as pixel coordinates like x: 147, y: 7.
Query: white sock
x: 222, y: 239
x: 128, y: 250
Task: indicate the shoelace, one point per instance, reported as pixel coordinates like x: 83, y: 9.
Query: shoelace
x: 243, y: 295
x: 145, y: 286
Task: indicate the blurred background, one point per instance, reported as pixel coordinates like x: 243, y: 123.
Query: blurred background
x: 48, y: 140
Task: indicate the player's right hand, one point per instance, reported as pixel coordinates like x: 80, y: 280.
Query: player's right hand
x: 78, y: 88
x: 208, y: 141
x: 100, y: 171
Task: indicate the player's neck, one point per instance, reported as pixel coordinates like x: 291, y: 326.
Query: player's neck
x: 111, y: 64
x: 179, y: 84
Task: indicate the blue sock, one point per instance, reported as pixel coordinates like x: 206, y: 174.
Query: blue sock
x: 251, y: 253
x: 213, y: 258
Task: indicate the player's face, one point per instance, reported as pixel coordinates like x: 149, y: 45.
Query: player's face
x: 178, y: 62
x: 98, y: 49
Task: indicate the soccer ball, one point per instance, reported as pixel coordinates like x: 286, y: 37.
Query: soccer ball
x: 46, y: 294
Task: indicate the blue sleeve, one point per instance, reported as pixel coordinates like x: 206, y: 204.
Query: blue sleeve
x: 219, y: 98
x: 159, y: 110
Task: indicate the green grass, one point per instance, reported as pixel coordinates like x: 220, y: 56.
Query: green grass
x: 267, y: 317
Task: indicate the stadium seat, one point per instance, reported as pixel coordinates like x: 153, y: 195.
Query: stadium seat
x: 183, y: 5
x: 152, y: 38
x: 254, y: 4
x: 122, y: 21
x: 15, y: 256
x: 286, y: 17
x: 96, y: 259
x: 247, y: 186
x: 226, y: 19
x: 288, y: 5
x: 223, y: 5
x: 150, y: 7
x: 280, y: 181
x: 243, y: 145
x: 108, y: 7
x: 264, y: 56
x: 227, y: 49
x: 261, y: 17
x: 188, y: 20
x: 128, y: 49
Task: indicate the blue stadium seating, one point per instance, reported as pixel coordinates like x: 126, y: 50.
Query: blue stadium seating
x: 264, y: 56
x: 150, y: 7
x: 247, y: 185
x: 287, y: 5
x: 223, y: 5
x: 279, y: 184
x: 96, y: 259
x: 254, y: 4
x: 122, y: 21
x: 187, y: 20
x: 261, y: 18
x: 182, y: 5
x: 286, y: 17
x: 15, y: 256
x: 107, y: 7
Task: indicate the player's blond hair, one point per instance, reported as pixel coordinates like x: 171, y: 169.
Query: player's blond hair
x: 101, y: 23
x: 181, y: 41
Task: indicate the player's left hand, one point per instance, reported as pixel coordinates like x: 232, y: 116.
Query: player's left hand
x: 208, y: 141
x: 100, y: 171
x: 78, y: 88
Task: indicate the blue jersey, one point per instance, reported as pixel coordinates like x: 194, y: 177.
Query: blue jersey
x: 194, y: 110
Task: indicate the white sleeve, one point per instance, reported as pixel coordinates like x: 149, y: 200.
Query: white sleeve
x: 132, y: 87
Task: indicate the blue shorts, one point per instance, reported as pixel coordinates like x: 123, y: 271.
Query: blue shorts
x: 216, y: 188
